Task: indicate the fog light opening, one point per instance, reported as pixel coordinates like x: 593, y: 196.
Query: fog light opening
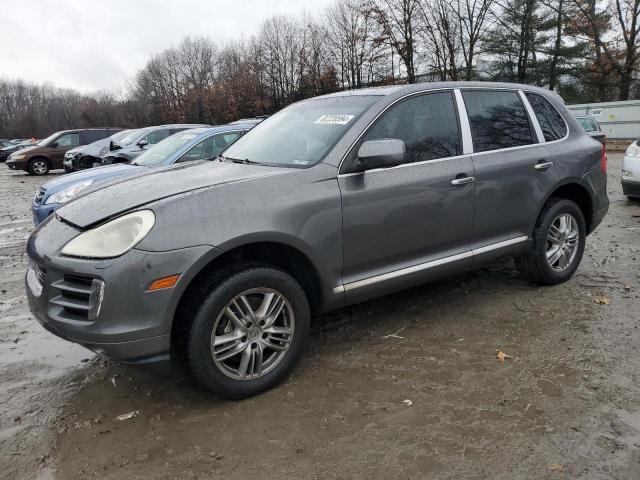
x: 95, y: 298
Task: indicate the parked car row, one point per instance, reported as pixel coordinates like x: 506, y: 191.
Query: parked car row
x: 14, y: 147
x: 201, y: 143
x: 49, y: 153
x: 329, y: 202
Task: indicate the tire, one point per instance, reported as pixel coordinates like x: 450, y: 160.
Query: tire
x: 535, y: 266
x: 38, y: 166
x: 248, y: 339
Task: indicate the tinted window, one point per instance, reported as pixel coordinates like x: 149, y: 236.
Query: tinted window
x: 69, y: 140
x: 427, y: 124
x: 498, y: 120
x: 90, y: 136
x: 550, y: 120
x: 158, y: 135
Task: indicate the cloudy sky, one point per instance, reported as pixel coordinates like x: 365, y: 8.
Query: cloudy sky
x: 91, y: 44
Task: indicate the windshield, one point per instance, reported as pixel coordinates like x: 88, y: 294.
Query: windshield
x: 131, y: 137
x: 48, y: 140
x: 588, y: 124
x: 160, y: 152
x: 302, y: 134
x: 117, y: 136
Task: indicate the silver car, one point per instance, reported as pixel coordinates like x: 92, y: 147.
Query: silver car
x: 631, y: 171
x: 332, y: 201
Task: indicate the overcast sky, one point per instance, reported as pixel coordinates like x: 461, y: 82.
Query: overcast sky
x: 91, y: 44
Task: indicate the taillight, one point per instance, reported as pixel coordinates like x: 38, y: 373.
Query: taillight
x: 603, y: 160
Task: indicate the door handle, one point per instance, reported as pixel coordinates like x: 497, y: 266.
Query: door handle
x: 543, y: 165
x: 463, y: 181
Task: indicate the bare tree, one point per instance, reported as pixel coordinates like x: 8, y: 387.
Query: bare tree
x: 472, y: 16
x: 398, y: 18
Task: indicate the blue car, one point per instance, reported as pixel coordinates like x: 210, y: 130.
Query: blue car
x: 194, y: 144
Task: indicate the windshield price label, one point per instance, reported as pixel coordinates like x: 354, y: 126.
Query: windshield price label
x: 334, y: 119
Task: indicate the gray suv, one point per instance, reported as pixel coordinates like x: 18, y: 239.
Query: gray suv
x: 332, y: 201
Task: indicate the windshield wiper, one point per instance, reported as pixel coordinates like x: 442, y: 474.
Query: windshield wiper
x: 246, y: 161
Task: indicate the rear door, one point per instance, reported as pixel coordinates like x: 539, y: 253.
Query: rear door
x: 403, y: 224
x: 513, y: 168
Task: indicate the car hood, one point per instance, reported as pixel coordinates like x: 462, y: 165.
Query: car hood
x: 128, y: 193
x: 25, y: 149
x: 98, y: 175
x: 95, y: 149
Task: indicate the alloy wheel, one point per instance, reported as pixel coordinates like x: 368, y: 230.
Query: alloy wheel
x: 563, y: 240
x: 252, y: 334
x: 39, y: 167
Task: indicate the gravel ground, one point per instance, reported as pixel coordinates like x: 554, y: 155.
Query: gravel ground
x: 407, y: 386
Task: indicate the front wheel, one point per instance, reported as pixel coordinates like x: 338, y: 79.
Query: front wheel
x: 248, y: 332
x: 38, y: 166
x: 558, y: 244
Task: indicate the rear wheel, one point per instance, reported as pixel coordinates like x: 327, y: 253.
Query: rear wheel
x: 248, y: 331
x: 38, y: 166
x: 558, y: 244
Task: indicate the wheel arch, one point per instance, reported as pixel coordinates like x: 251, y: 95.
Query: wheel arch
x: 279, y: 254
x: 40, y: 157
x: 575, y: 190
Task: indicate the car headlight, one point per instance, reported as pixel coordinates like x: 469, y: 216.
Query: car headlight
x: 633, y: 150
x: 627, y: 174
x: 68, y: 193
x: 17, y: 157
x: 112, y: 239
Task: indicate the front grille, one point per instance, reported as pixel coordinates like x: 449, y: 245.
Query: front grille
x: 74, y: 297
x: 37, y: 200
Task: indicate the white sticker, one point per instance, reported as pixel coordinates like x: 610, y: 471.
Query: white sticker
x: 334, y: 119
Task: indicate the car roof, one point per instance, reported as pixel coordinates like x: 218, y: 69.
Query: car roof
x: 400, y: 90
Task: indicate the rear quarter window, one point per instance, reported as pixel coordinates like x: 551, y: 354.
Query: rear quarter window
x: 497, y: 118
x: 551, y: 122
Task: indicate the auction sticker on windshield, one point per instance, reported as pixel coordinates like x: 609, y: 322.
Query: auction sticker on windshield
x: 334, y: 119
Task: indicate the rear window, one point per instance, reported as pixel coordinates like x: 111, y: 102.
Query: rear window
x: 588, y: 124
x: 498, y: 119
x: 551, y: 122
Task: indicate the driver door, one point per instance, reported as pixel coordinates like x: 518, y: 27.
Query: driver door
x: 405, y: 224
x: 64, y: 143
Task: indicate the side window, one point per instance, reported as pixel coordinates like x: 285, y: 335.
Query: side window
x: 194, y: 153
x: 216, y: 144
x: 428, y: 125
x: 551, y: 122
x: 158, y: 135
x: 498, y: 119
x: 211, y: 147
x: 90, y: 136
x: 69, y: 140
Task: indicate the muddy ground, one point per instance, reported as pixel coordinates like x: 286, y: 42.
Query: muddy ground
x: 407, y: 386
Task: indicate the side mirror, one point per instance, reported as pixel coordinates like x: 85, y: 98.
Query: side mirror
x: 142, y: 143
x: 54, y: 145
x: 384, y: 153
